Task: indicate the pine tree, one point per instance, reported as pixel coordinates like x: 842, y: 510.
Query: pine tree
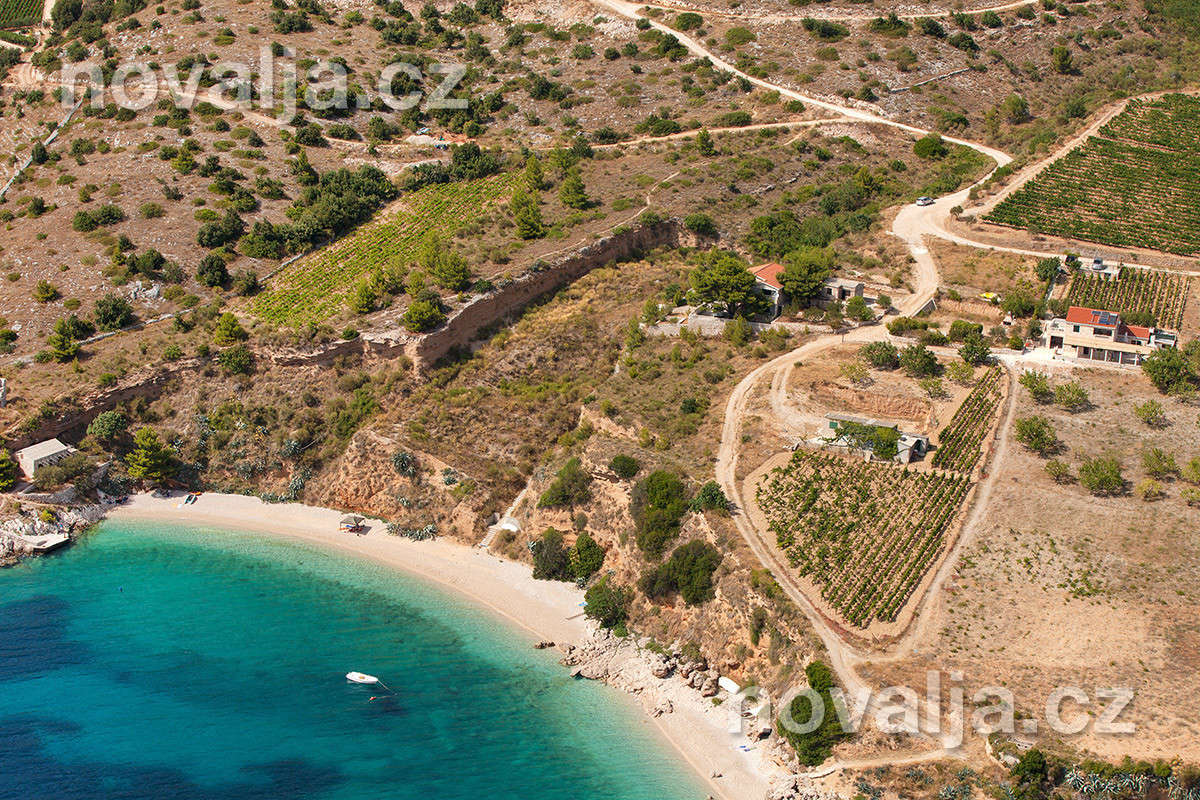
x: 61, y: 342
x: 572, y: 192
x: 8, y: 471
x: 704, y: 143
x: 150, y: 459
x: 527, y: 216
x: 535, y: 177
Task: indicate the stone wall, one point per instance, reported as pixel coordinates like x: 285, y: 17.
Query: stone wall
x: 484, y: 311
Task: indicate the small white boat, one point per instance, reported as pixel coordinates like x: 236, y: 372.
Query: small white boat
x: 360, y: 677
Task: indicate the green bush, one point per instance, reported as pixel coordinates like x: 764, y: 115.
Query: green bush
x: 571, y: 487
x: 710, y: 498
x: 1101, y: 476
x: 657, y: 504
x: 688, y: 571
x: 816, y: 746
x: 551, y: 561
x: 625, y: 466
x: 586, y: 557
x: 607, y: 602
x: 880, y: 355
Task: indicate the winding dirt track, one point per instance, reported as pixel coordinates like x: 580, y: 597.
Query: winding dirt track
x: 912, y: 225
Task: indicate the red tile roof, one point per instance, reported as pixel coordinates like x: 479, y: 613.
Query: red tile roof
x: 1079, y: 315
x: 769, y: 274
x: 1136, y: 330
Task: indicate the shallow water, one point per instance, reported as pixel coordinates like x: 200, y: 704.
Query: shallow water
x: 165, y: 662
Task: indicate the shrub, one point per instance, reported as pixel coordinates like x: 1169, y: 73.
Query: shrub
x: 1169, y: 368
x: 607, y: 603
x: 657, y: 505
x: 880, y: 355
x: 108, y: 426
x: 815, y: 746
x: 960, y: 329
x: 1072, y: 396
x: 1150, y: 489
x: 74, y: 466
x: 586, y: 557
x: 710, y: 498
x: 1038, y: 386
x: 701, y: 224
x: 918, y: 362
x: 974, y: 351
x: 45, y: 292
x: 688, y: 571
x: 931, y: 146
x: 228, y: 331
x: 113, y: 313
x: 1059, y: 471
x: 1159, y: 464
x: 625, y: 466
x: 8, y: 471
x: 551, y: 562
x: 423, y: 315
x: 1037, y: 434
x: 571, y: 487
x: 1102, y: 476
x: 237, y: 360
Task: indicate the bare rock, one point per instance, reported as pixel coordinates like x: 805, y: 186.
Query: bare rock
x: 660, y: 668
x: 710, y: 688
x: 664, y: 706
x: 543, y: 645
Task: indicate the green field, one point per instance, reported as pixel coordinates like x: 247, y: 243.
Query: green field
x: 20, y: 13
x: 1137, y: 184
x: 314, y: 288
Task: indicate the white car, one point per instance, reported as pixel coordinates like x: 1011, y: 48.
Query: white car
x: 924, y: 201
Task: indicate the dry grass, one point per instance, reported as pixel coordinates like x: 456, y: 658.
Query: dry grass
x: 1062, y: 588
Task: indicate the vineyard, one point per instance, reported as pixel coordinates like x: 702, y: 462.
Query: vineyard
x: 20, y: 13
x: 960, y: 444
x: 1160, y: 294
x: 314, y: 288
x: 1135, y: 185
x: 1171, y: 122
x: 864, y: 533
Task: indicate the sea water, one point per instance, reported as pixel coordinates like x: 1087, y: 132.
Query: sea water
x: 151, y: 661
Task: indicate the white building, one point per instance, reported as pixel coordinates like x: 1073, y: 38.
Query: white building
x: 42, y: 454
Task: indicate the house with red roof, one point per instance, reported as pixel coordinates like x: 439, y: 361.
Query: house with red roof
x: 1093, y: 334
x: 832, y: 290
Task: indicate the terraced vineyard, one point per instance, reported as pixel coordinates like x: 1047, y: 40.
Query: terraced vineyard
x: 1135, y: 185
x: 960, y: 444
x: 314, y: 288
x: 865, y: 534
x: 20, y: 13
x: 1161, y: 294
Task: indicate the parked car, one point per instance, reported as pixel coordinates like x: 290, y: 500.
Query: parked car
x: 924, y: 201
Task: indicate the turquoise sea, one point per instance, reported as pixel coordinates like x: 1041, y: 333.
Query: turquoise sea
x: 156, y: 662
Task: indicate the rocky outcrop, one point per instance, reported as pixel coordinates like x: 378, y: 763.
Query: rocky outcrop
x: 17, y: 532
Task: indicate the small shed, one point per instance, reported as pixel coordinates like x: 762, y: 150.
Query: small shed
x: 42, y: 454
x: 836, y: 290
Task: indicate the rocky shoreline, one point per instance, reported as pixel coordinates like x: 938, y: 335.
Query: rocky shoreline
x: 669, y: 682
x: 17, y: 532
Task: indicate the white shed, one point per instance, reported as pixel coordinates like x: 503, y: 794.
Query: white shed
x: 42, y: 454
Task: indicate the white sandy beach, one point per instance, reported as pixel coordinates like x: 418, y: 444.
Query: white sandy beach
x: 545, y: 609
